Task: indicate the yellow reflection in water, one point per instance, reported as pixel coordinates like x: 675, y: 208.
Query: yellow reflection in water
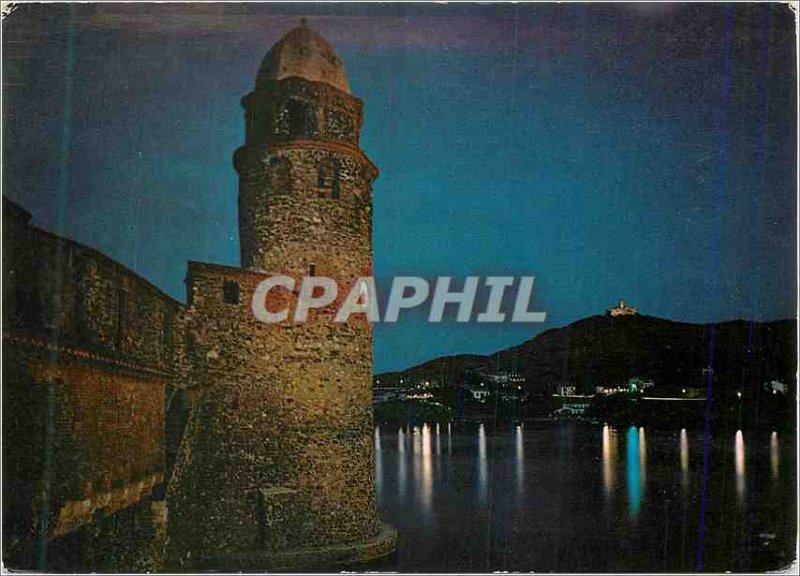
x: 427, y: 470
x: 739, y: 463
x: 684, y: 458
x: 416, y: 450
x: 774, y: 455
x: 609, y: 458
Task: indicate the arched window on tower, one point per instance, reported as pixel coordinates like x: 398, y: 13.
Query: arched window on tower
x: 339, y: 125
x: 328, y: 177
x: 302, y: 118
x: 279, y: 175
x: 335, y: 191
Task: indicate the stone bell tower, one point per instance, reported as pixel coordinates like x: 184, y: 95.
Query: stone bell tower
x: 276, y: 467
x: 305, y: 186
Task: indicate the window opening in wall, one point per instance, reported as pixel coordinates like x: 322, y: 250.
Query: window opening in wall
x: 231, y: 292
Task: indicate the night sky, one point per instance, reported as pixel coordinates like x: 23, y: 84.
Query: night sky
x: 642, y: 152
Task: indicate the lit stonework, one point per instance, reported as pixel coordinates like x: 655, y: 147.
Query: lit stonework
x: 276, y: 468
x: 142, y: 434
x: 621, y: 309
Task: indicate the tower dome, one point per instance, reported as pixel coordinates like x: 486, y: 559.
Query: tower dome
x: 304, y: 53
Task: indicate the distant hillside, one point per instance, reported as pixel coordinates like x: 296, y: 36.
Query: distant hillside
x: 603, y: 350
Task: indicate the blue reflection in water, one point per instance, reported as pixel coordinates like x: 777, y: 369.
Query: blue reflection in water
x: 609, y: 459
x: 634, y: 471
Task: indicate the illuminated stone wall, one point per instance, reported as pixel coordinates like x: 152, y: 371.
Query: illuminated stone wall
x: 142, y: 433
x: 278, y: 452
x: 278, y: 449
x: 88, y: 352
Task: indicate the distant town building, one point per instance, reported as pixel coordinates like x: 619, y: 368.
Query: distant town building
x: 480, y: 393
x: 387, y: 394
x: 776, y: 386
x: 622, y: 309
x: 639, y: 385
x: 633, y: 385
x: 505, y: 377
x: 566, y: 391
x: 609, y: 390
x: 572, y: 409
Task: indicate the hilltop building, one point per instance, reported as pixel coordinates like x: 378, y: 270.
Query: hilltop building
x: 621, y: 309
x: 144, y: 433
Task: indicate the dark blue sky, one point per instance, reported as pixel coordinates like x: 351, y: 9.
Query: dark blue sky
x: 644, y: 152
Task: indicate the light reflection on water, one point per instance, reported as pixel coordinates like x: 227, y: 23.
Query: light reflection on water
x: 378, y: 462
x: 740, y: 462
x: 532, y: 473
x: 634, y: 472
x: 483, y: 465
x: 449, y: 440
x: 416, y: 440
x: 684, y: 459
x: 774, y: 455
x: 643, y: 457
x: 426, y: 477
x: 609, y: 459
x: 519, y: 456
x: 401, y: 465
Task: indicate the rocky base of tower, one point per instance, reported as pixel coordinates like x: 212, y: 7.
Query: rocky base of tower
x: 307, y: 559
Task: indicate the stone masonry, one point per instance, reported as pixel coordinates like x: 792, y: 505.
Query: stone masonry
x: 278, y: 452
x: 144, y: 434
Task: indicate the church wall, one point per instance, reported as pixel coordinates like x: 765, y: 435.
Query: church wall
x: 84, y: 380
x: 57, y: 289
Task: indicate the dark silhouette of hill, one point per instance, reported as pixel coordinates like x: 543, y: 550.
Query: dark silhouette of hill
x: 603, y: 350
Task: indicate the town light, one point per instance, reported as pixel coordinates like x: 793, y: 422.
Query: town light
x: 739, y: 394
